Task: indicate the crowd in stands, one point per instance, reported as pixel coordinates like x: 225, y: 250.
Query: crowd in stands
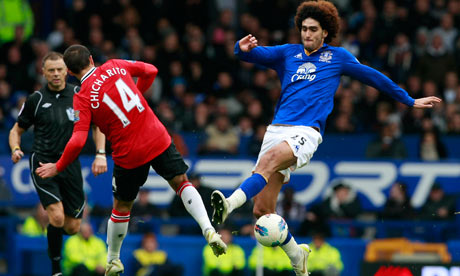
x: 202, y: 88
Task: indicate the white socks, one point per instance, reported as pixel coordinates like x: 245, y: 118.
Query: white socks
x: 293, y: 251
x: 237, y: 199
x: 194, y: 205
x: 117, y: 227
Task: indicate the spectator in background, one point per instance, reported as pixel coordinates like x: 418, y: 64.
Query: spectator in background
x: 288, y: 208
x: 438, y: 206
x: 201, y: 117
x: 450, y: 86
x: 151, y: 261
x: 36, y: 224
x: 256, y: 140
x: 274, y: 261
x: 56, y: 37
x: 222, y: 138
x: 431, y: 148
x: 179, y: 141
x: 325, y: 260
x: 398, y: 204
x: 453, y: 124
x: 400, y: 57
x: 143, y: 211
x: 84, y: 254
x: 436, y: 62
x: 387, y: 145
x: 230, y: 264
x: 341, y: 204
x: 447, y: 31
x: 15, y: 13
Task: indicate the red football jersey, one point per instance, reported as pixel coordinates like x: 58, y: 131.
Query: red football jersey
x: 110, y: 99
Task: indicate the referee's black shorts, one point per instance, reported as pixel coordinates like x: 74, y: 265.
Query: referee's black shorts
x: 67, y: 186
x: 126, y: 182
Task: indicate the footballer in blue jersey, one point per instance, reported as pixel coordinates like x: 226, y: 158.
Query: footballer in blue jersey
x: 310, y: 75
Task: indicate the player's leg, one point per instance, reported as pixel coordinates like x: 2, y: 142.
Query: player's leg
x: 171, y: 166
x: 265, y: 203
x: 117, y: 227
x: 126, y: 183
x: 68, y: 212
x: 54, y: 235
x: 194, y: 205
x: 73, y: 197
x: 49, y: 193
x: 278, y: 157
x: 283, y: 147
x: 71, y: 225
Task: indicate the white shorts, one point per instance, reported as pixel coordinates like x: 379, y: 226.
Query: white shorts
x: 303, y: 141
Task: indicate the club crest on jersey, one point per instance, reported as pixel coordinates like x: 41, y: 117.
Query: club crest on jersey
x: 76, y: 116
x: 326, y: 56
x: 305, y: 72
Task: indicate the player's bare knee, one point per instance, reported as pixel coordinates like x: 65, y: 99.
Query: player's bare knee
x: 56, y: 219
x: 266, y: 164
x: 176, y: 182
x: 72, y: 229
x: 123, y: 206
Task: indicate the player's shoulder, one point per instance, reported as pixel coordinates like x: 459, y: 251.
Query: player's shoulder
x: 119, y: 61
x: 337, y: 50
x: 72, y: 88
x: 36, y: 96
x: 288, y: 48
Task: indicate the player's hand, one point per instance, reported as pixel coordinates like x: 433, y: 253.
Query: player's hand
x: 99, y: 166
x: 427, y: 102
x: 248, y: 43
x: 17, y: 155
x: 47, y: 170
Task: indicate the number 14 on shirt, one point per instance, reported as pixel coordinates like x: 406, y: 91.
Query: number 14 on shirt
x: 129, y: 99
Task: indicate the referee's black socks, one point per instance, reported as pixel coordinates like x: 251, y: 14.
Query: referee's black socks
x: 54, y: 235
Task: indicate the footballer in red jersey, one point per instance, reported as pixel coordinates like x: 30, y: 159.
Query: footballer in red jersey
x: 110, y: 99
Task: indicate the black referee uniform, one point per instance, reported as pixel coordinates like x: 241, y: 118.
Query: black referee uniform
x: 52, y: 114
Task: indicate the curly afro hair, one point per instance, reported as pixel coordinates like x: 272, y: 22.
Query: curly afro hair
x: 322, y: 11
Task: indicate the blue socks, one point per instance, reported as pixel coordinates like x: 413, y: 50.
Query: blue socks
x: 253, y: 185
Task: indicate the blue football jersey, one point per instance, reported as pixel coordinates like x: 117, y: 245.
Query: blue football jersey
x: 309, y: 82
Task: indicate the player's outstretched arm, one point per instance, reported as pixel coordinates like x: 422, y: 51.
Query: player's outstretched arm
x: 46, y: 170
x: 99, y: 165
x: 71, y: 152
x: 426, y: 102
x: 146, y: 79
x: 248, y: 43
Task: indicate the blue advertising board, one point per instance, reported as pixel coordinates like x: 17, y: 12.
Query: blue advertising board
x: 370, y: 179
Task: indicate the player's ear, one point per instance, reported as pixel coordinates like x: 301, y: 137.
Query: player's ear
x: 70, y: 72
x: 91, y: 61
x: 325, y: 33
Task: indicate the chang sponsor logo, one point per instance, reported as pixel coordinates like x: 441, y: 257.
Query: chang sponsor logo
x: 305, y: 72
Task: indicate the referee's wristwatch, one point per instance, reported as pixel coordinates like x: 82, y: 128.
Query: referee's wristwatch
x: 100, y: 151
